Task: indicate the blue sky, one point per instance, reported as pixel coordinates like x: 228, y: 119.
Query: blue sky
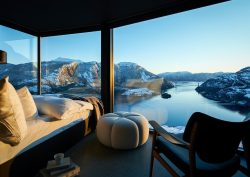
x: 210, y: 39
x: 215, y: 38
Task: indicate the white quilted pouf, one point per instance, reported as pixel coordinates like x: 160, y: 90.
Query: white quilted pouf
x: 122, y: 130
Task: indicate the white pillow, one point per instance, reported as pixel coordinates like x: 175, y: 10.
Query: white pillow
x: 29, y: 106
x: 13, y: 125
x: 60, y: 108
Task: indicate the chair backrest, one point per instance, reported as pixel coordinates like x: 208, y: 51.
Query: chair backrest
x: 246, y: 141
x: 213, y: 140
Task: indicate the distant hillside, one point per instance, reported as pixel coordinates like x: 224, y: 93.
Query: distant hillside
x: 231, y: 88
x: 20, y: 75
x: 188, y: 76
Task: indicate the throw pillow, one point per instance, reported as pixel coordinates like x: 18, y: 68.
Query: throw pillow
x: 13, y: 125
x: 60, y: 108
x: 29, y: 106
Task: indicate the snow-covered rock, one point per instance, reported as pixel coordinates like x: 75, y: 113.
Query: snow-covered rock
x: 231, y: 88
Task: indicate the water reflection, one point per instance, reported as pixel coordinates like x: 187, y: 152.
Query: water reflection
x: 176, y: 110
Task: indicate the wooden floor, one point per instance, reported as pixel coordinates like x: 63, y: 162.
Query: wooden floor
x: 96, y: 160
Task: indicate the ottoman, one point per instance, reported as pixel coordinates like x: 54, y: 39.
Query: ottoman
x: 122, y: 130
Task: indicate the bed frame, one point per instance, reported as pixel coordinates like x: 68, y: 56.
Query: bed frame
x: 29, y: 162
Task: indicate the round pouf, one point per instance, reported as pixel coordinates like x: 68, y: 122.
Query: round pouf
x: 122, y: 130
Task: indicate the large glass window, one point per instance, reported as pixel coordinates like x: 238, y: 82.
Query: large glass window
x: 171, y: 67
x: 71, y: 64
x: 21, y: 51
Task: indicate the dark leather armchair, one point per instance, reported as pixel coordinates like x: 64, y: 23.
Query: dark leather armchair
x: 245, y: 162
x: 208, y: 147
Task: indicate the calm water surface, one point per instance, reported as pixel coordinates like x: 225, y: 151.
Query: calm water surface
x: 176, y: 110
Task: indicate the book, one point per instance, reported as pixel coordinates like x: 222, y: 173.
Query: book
x: 71, y: 171
x: 52, y: 165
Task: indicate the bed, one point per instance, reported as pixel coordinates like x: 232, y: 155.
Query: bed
x: 46, y: 136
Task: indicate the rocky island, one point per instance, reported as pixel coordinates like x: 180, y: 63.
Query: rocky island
x: 233, y: 88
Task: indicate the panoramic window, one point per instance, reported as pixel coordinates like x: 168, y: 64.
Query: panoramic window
x: 71, y: 65
x: 21, y: 64
x: 171, y: 67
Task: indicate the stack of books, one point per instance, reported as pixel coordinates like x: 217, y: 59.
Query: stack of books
x: 65, y: 169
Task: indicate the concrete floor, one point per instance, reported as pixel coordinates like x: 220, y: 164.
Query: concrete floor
x: 96, y: 160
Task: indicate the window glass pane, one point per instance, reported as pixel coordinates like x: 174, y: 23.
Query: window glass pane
x: 71, y: 64
x: 171, y: 67
x: 21, y: 64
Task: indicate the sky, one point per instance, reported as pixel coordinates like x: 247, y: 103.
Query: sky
x: 209, y: 39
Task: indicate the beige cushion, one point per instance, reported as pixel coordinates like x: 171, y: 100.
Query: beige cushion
x: 60, y: 108
x: 13, y: 125
x: 122, y: 130
x: 29, y: 106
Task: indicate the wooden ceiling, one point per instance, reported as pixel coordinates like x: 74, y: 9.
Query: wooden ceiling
x: 56, y: 17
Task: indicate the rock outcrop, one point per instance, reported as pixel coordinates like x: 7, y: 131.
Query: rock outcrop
x: 233, y: 88
x: 165, y: 95
x: 166, y: 85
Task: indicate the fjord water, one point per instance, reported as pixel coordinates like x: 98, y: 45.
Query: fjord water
x: 176, y: 110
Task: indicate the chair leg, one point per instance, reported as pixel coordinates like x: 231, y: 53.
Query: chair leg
x: 152, y: 154
x: 164, y: 164
x: 151, y: 165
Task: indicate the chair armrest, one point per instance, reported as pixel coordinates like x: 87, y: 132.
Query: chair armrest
x: 243, y: 164
x: 169, y: 137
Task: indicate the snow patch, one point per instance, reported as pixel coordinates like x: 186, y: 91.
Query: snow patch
x: 144, y: 76
x: 247, y: 96
x: 242, y: 103
x: 174, y: 130
x: 138, y: 92
x: 88, y: 76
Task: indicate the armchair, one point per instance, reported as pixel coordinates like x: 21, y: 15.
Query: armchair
x: 208, y: 147
x: 245, y: 166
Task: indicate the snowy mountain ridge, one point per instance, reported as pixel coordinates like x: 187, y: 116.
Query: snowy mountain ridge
x: 62, y: 73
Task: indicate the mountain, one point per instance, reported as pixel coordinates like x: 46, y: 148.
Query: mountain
x: 133, y: 71
x: 58, y: 75
x: 62, y: 74
x: 20, y: 75
x: 132, y: 75
x: 233, y: 88
x: 188, y: 76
